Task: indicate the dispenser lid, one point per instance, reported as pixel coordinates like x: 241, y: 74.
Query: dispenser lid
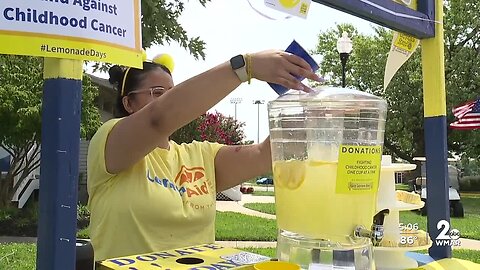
x: 329, y: 93
x: 332, y: 97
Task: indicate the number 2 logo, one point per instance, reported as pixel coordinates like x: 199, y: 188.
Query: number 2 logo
x: 445, y: 226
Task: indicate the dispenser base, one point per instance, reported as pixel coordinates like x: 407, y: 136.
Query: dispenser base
x: 321, y: 254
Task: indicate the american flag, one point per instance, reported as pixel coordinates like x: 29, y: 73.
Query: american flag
x: 468, y: 115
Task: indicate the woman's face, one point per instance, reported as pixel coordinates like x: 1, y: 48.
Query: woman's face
x: 155, y: 84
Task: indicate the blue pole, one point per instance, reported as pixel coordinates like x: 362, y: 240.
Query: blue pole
x: 438, y: 206
x: 435, y: 124
x: 61, y: 109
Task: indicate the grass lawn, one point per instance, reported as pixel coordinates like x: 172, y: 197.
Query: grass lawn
x: 269, y: 252
x: 18, y: 256
x: 268, y: 208
x: 263, y: 193
x: 231, y: 226
x: 402, y: 187
x: 469, y: 226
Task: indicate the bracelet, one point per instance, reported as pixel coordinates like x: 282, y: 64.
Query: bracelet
x: 249, y: 67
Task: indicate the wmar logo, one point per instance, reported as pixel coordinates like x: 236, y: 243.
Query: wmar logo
x: 447, y: 236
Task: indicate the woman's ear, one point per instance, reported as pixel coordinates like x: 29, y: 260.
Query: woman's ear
x: 127, y: 105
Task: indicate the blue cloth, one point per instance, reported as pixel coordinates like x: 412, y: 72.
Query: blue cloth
x: 421, y: 259
x: 296, y: 49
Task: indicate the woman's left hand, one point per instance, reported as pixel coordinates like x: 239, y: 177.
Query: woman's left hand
x: 282, y: 68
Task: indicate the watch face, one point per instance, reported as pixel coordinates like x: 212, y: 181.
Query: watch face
x: 237, y: 62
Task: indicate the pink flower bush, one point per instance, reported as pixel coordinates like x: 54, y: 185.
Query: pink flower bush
x: 213, y: 127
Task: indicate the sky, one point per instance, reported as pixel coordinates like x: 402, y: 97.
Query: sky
x: 231, y: 27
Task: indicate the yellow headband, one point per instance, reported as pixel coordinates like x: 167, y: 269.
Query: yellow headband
x: 162, y: 59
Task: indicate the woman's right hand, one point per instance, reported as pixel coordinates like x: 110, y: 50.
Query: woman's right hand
x: 281, y: 67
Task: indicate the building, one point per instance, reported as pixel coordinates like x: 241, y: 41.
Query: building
x: 106, y: 99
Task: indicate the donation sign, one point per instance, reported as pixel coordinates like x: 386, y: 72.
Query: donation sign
x: 96, y: 30
x: 358, y: 169
x: 207, y: 256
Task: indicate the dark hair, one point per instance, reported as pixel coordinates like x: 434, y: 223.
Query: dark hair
x: 134, y: 78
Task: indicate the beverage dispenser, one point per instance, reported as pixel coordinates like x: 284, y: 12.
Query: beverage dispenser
x: 326, y: 153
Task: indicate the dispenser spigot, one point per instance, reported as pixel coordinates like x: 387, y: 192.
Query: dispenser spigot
x: 377, y: 227
x: 376, y: 232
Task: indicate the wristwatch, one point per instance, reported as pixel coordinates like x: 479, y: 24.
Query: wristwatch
x: 240, y: 67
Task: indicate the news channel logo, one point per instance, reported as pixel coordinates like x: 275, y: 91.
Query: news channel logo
x: 448, y: 236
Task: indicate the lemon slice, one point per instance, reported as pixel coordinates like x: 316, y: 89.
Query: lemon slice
x: 289, y: 174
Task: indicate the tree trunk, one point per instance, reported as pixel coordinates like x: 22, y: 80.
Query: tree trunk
x: 6, y: 191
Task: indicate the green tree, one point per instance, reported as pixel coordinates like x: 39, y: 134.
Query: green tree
x: 462, y: 54
x: 160, y: 25
x: 21, y: 85
x: 365, y: 70
x: 214, y: 127
x: 404, y: 136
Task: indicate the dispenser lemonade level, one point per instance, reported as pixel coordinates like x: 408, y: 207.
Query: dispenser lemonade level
x: 326, y: 153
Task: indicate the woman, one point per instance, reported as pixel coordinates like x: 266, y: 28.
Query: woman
x: 147, y: 193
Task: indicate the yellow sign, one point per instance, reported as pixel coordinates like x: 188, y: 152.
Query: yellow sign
x: 405, y: 42
x: 358, y: 169
x: 293, y: 7
x: 102, y: 31
x: 208, y: 256
x: 402, y: 48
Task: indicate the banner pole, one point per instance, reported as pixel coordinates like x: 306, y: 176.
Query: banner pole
x: 435, y: 125
x: 61, y: 110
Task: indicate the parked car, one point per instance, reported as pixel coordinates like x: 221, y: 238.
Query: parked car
x: 265, y: 181
x: 246, y: 190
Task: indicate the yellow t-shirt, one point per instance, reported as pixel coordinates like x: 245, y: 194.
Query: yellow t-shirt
x: 164, y: 201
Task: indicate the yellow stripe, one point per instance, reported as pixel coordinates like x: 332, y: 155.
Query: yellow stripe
x: 433, y: 66
x: 123, y: 82
x: 21, y: 45
x: 62, y: 68
x: 67, y: 38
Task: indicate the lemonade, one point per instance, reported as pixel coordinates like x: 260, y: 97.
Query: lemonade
x: 307, y: 203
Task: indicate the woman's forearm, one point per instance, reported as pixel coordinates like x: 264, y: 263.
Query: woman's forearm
x: 193, y: 97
